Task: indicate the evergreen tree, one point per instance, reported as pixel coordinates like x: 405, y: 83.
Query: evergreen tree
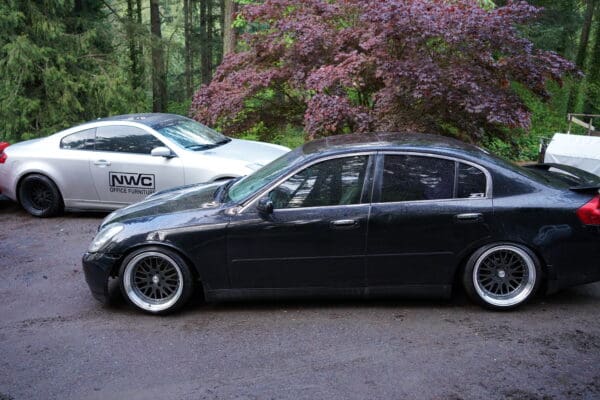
x: 58, y: 67
x: 592, y: 95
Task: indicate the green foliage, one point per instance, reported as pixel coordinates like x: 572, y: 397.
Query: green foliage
x: 59, y: 68
x: 547, y: 118
x: 558, y: 27
x: 486, y: 4
x: 180, y: 107
x: 290, y: 136
x: 62, y: 66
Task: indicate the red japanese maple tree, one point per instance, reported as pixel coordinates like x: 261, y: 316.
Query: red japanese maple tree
x: 379, y: 65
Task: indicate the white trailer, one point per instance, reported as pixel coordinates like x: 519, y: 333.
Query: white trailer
x: 580, y: 151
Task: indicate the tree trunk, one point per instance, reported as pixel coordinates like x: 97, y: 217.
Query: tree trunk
x: 582, y: 51
x: 140, y: 45
x: 159, y: 79
x: 134, y: 74
x: 209, y: 39
x: 204, y: 42
x: 78, y: 6
x: 593, y: 74
x: 219, y: 49
x: 585, y: 33
x: 75, y: 25
x: 187, y: 28
x: 229, y: 33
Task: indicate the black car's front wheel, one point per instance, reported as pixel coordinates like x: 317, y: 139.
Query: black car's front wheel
x: 156, y: 280
x: 39, y: 196
x: 502, y: 276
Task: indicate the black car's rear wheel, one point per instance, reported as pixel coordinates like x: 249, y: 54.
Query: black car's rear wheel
x: 39, y: 196
x: 502, y: 276
x: 156, y: 280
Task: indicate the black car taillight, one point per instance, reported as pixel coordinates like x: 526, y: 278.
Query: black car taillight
x: 3, y: 155
x: 589, y: 213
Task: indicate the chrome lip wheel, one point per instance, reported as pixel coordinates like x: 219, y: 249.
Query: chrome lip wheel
x: 153, y: 281
x: 504, y: 275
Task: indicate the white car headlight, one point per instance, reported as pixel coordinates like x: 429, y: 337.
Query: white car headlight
x: 104, y: 236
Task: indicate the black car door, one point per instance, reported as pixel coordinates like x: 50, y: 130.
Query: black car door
x: 426, y: 212
x: 316, y: 235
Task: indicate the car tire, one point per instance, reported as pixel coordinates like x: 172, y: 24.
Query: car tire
x: 156, y: 280
x: 502, y: 276
x: 39, y: 196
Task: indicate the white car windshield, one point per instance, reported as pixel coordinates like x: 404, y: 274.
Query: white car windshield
x: 249, y: 184
x: 192, y: 135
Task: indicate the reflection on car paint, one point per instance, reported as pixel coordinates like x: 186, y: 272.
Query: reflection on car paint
x: 551, y: 233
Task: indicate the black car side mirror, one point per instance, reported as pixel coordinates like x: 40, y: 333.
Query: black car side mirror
x: 265, y: 206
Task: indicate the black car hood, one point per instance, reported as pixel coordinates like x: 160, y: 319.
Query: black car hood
x: 186, y: 198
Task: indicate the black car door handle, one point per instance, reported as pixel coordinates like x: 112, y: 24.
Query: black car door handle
x: 344, y: 224
x: 469, y: 217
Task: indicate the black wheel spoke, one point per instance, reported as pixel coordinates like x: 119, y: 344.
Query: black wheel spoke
x: 504, y: 275
x: 155, y: 279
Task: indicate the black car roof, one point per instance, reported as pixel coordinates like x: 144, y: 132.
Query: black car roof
x: 383, y: 140
x: 150, y: 119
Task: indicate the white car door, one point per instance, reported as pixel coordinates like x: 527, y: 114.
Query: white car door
x: 123, y: 169
x: 73, y: 169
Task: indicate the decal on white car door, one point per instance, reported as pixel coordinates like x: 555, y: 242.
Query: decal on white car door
x: 131, y: 183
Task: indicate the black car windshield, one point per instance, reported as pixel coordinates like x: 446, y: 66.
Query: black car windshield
x: 248, y: 185
x: 191, y: 134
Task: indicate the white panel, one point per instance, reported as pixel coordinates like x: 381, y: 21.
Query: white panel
x: 576, y: 150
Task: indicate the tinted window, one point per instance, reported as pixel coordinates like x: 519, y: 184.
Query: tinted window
x: 333, y: 182
x: 410, y: 178
x: 471, y: 182
x: 125, y: 139
x: 262, y: 177
x: 82, y: 140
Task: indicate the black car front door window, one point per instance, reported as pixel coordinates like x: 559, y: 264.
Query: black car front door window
x: 333, y: 182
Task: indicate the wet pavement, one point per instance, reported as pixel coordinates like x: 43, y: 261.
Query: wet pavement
x: 57, y: 342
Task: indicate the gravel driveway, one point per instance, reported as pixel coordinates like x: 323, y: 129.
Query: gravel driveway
x: 57, y: 342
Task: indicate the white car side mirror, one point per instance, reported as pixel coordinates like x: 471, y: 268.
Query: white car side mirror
x: 162, y: 152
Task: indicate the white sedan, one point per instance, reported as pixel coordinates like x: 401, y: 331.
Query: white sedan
x: 108, y: 163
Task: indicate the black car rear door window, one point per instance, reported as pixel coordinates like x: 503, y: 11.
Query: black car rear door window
x: 333, y: 182
x: 125, y: 139
x: 413, y: 178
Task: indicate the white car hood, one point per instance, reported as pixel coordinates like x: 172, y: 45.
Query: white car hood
x: 248, y: 150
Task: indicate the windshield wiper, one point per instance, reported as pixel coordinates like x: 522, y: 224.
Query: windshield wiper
x: 197, y: 147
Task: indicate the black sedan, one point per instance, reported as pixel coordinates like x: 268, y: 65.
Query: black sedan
x: 358, y: 215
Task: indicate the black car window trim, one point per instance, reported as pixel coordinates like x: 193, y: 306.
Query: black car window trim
x: 145, y: 128
x: 368, y: 180
x: 379, y: 177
